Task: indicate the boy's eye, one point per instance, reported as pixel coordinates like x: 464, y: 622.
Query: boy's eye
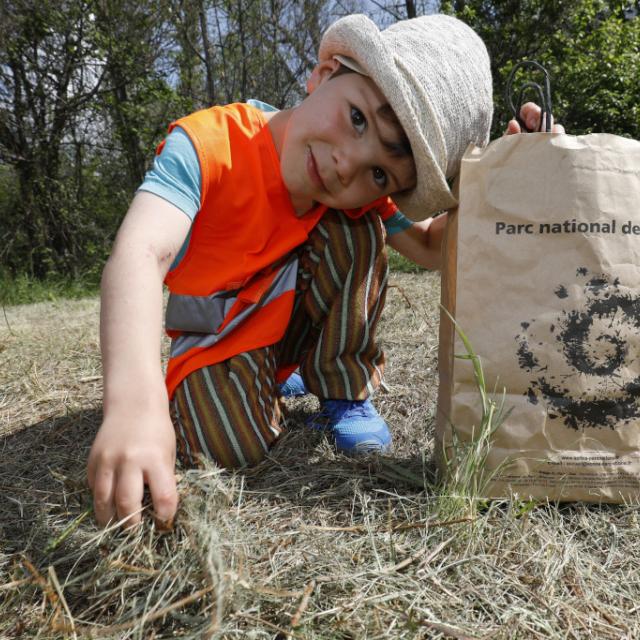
x: 358, y: 120
x: 380, y: 177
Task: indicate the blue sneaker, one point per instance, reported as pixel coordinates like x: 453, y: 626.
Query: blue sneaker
x: 355, y: 426
x: 293, y: 386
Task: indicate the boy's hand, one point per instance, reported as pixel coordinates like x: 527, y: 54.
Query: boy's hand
x: 531, y: 114
x: 131, y: 449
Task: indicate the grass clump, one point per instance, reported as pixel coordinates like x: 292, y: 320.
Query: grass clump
x: 465, y: 477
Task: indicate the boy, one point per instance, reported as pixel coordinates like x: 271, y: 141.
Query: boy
x: 284, y: 265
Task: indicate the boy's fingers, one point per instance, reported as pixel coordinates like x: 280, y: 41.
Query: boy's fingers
x: 512, y: 127
x: 164, y: 495
x: 128, y: 494
x: 530, y: 113
x: 103, y: 496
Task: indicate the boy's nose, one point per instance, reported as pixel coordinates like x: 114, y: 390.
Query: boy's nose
x: 348, y: 159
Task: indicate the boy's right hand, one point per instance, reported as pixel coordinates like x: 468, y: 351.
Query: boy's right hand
x: 131, y: 449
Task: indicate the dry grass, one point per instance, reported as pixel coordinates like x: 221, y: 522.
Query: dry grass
x: 308, y: 544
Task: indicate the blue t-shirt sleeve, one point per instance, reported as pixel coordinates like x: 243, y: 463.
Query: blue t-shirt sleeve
x: 175, y: 175
x: 263, y: 106
x: 396, y: 223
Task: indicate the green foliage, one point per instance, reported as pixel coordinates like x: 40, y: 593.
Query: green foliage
x: 23, y: 289
x: 90, y: 216
x: 398, y: 262
x: 8, y: 203
x: 590, y: 47
x: 598, y: 71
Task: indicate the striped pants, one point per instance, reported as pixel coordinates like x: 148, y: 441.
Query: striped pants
x: 230, y: 411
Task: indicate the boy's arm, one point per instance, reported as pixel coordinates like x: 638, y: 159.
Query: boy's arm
x: 136, y: 443
x: 421, y: 242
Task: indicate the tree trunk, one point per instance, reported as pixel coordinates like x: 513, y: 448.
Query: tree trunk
x: 411, y: 8
x: 125, y: 129
x: 208, y: 54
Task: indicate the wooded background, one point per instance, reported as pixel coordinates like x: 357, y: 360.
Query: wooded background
x: 88, y: 87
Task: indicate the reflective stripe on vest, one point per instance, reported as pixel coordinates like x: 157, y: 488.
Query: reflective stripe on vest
x: 200, y: 317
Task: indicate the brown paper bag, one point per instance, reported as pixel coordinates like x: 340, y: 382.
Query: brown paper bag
x: 542, y: 273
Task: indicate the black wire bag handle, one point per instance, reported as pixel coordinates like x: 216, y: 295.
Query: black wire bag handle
x: 544, y: 95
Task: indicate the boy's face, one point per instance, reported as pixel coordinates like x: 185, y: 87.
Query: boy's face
x: 337, y: 147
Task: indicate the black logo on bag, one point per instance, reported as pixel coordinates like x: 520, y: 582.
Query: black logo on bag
x: 587, y: 359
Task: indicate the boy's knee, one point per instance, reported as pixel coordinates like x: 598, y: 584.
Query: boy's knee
x: 232, y: 425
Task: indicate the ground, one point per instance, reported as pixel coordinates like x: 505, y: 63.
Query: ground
x: 308, y: 544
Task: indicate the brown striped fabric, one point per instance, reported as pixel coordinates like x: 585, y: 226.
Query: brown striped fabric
x: 340, y: 294
x: 230, y: 411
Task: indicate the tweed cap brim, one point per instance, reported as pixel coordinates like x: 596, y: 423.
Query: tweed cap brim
x: 357, y: 37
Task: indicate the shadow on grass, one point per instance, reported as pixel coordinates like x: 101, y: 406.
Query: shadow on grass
x: 107, y: 578
x: 304, y: 469
x: 43, y: 476
x: 42, y: 479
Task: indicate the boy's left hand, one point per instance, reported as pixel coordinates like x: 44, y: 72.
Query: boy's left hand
x: 531, y: 114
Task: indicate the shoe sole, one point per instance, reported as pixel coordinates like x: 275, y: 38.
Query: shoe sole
x: 365, y: 448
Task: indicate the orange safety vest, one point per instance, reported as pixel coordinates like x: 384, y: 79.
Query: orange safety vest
x: 234, y: 288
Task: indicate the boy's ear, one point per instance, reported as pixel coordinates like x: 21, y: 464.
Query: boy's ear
x: 321, y: 72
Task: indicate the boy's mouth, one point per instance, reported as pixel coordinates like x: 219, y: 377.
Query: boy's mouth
x: 312, y: 170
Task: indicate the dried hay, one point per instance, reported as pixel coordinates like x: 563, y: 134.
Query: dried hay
x: 306, y: 545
